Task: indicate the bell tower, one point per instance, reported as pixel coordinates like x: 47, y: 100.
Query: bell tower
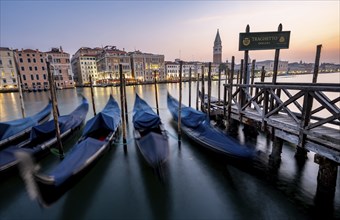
x: 217, y: 49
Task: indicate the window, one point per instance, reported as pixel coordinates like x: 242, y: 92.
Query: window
x: 0, y: 62
x: 44, y: 76
x: 21, y: 60
x: 32, y: 78
x: 14, y: 80
x: 34, y: 60
x: 24, y: 77
x: 28, y: 60
x: 23, y: 68
x: 10, y: 62
x: 30, y: 68
x: 43, y: 68
x: 35, y: 68
x: 41, y: 60
x: 37, y: 76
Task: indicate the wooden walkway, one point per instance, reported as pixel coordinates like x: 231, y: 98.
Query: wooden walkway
x: 304, y: 129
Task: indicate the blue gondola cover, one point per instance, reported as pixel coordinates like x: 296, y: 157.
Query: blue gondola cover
x: 10, y: 128
x: 143, y: 115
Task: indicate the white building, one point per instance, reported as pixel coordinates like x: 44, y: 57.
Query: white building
x: 8, y: 70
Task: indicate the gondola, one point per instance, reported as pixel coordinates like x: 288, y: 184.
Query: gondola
x: 43, y: 137
x: 149, y: 133
x: 14, y: 131
x: 196, y: 125
x: 98, y: 135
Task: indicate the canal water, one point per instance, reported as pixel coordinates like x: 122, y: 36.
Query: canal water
x: 196, y: 183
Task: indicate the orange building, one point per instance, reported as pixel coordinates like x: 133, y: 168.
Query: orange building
x: 33, y: 70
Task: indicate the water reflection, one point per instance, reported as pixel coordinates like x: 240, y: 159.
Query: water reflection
x: 197, y: 184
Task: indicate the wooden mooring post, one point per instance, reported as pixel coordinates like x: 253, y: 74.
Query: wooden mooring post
x: 180, y: 105
x: 190, y: 87
x: 156, y: 92
x: 197, y: 89
x: 20, y: 89
x: 125, y: 101
x: 54, y: 107
x: 92, y: 97
x: 122, y: 105
x: 209, y: 90
x: 202, y: 90
x: 301, y: 152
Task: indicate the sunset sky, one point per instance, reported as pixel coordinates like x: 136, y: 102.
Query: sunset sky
x: 177, y: 29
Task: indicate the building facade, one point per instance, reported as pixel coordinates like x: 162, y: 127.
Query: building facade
x: 84, y: 65
x: 61, y: 68
x: 108, y: 61
x: 217, y: 49
x: 32, y: 69
x: 8, y: 70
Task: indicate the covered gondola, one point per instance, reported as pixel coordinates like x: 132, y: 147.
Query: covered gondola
x: 196, y: 125
x: 150, y: 135
x: 97, y: 137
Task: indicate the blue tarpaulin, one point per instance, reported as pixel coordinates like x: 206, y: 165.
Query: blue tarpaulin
x: 143, y: 115
x: 10, y: 128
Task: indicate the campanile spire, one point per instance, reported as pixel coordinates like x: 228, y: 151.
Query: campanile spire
x: 217, y: 49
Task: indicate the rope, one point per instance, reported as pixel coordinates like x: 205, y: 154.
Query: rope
x: 55, y: 152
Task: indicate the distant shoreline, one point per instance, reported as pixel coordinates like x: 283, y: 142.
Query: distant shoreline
x: 186, y: 79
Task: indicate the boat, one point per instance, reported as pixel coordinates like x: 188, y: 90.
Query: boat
x: 42, y: 137
x: 98, y: 135
x: 196, y: 125
x: 14, y: 131
x: 206, y: 97
x: 149, y: 133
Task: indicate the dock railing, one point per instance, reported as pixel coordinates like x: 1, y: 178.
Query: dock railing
x: 307, y: 111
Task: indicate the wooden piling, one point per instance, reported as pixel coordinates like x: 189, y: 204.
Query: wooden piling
x: 202, y: 90
x: 239, y: 80
x: 92, y: 97
x: 276, y: 66
x: 156, y: 92
x: 316, y: 64
x: 122, y: 105
x: 54, y: 108
x: 252, y: 76
x: 263, y: 73
x: 209, y: 90
x: 230, y: 90
x: 326, y: 187
x: 21, y: 97
x: 20, y: 89
x: 197, y: 89
x: 219, y: 84
x: 275, y: 156
x: 180, y: 104
x: 125, y: 101
x: 301, y: 152
x: 190, y: 87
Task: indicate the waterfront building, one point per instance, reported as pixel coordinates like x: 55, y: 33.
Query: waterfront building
x: 61, y: 68
x: 33, y: 69
x: 84, y: 65
x: 172, y: 69
x: 8, y: 70
x: 217, y: 49
x: 108, y: 61
x: 145, y: 64
x: 269, y: 66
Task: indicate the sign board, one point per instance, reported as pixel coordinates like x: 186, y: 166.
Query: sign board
x: 264, y: 40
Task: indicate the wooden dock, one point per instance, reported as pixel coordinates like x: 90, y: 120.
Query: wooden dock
x: 303, y: 128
